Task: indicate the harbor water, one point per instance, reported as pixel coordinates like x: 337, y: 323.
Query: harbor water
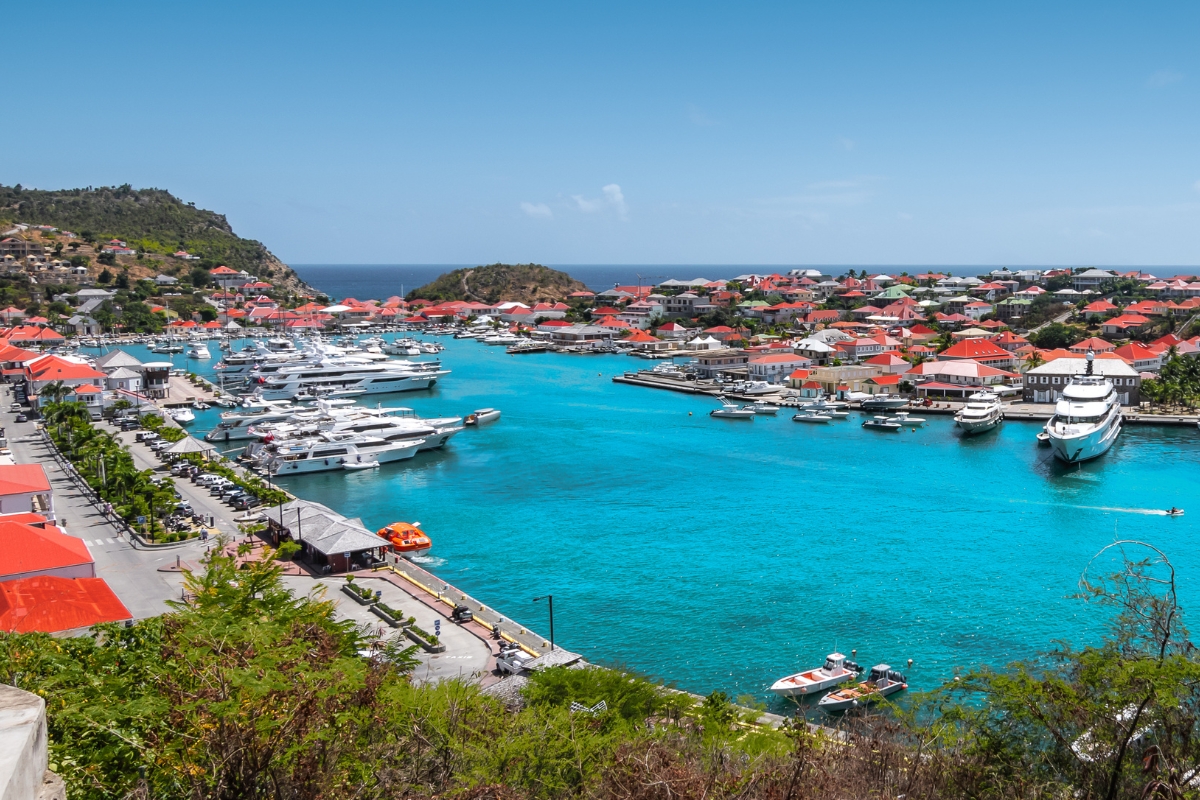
x: 723, y: 554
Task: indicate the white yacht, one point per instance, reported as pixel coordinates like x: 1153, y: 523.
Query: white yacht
x: 982, y: 412
x: 236, y: 424
x: 390, y: 425
x: 198, y: 350
x: 1087, y: 418
x: 837, y: 669
x: 183, y: 416
x: 334, y: 451
x: 338, y: 374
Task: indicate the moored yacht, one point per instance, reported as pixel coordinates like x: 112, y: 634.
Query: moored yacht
x: 334, y: 451
x: 982, y: 412
x: 1087, y: 418
x: 836, y: 670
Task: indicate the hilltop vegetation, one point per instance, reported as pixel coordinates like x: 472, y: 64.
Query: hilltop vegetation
x: 151, y: 221
x: 494, y: 283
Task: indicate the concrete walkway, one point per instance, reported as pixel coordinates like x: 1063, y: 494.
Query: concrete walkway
x: 467, y: 655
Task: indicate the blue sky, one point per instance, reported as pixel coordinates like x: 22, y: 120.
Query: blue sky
x: 766, y: 133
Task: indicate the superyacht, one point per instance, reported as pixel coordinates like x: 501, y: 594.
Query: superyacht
x: 1087, y: 418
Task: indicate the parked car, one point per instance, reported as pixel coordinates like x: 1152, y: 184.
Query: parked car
x: 14, y: 408
x: 246, y: 502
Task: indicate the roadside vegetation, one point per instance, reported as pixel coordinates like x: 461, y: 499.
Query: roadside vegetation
x: 244, y: 690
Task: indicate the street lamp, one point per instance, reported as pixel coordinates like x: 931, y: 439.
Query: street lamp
x: 550, y: 598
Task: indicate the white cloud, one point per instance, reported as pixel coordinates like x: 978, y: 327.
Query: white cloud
x: 1164, y: 77
x: 612, y: 198
x: 537, y: 210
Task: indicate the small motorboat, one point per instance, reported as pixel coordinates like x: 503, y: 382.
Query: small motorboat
x: 905, y: 420
x: 732, y: 411
x: 882, y: 681
x: 1174, y: 512
x: 764, y: 408
x: 836, y: 670
x: 837, y: 413
x: 357, y: 465
x: 407, y: 540
x: 200, y: 406
x: 882, y: 424
x: 482, y: 415
x: 1043, y: 439
x: 183, y: 416
x: 811, y: 416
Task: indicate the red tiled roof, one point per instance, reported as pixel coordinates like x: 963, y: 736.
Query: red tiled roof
x: 22, y: 479
x: 884, y: 380
x: 975, y: 348
x: 780, y: 358
x: 30, y: 549
x: 49, y: 604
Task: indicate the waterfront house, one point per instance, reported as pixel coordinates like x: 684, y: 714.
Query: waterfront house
x: 775, y: 368
x: 673, y: 330
x: 579, y: 334
x: 956, y: 378
x: 711, y: 364
x: 882, y: 384
x: 843, y: 378
x: 329, y: 541
x: 1044, y: 384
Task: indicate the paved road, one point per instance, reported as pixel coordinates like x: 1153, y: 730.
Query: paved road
x: 466, y: 655
x: 131, y: 572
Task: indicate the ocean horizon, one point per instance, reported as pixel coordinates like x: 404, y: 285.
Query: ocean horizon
x: 366, y: 281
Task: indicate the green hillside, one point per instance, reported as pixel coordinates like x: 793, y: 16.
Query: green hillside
x: 527, y: 283
x: 152, y: 220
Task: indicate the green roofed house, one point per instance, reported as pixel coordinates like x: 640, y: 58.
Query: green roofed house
x: 752, y: 308
x: 894, y: 292
x: 1012, y: 308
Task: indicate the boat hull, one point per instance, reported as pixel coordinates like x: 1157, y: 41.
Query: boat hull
x: 833, y: 702
x: 975, y: 427
x: 1077, y: 449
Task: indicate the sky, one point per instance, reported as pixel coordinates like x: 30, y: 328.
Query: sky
x: 633, y: 133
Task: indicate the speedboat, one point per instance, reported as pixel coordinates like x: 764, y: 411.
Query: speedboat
x: 199, y: 351
x: 836, y: 670
x: 882, y: 681
x: 183, y: 416
x: 811, y: 416
x: 763, y: 408
x: 1087, y: 418
x: 1043, y: 439
x: 1174, y: 512
x: 407, y: 540
x: 482, y: 415
x: 982, y: 412
x: 883, y: 402
x: 757, y: 387
x: 882, y: 424
x: 904, y: 419
x: 732, y: 411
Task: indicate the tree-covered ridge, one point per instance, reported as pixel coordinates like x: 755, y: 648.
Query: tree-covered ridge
x: 494, y: 283
x: 152, y: 220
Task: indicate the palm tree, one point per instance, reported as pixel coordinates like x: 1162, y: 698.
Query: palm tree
x: 55, y: 391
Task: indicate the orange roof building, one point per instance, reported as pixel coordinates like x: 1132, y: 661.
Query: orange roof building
x: 52, y: 604
x: 22, y: 487
x: 36, y: 547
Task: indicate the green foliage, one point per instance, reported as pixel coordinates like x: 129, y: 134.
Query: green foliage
x: 631, y: 697
x: 497, y: 282
x: 144, y: 218
x: 1177, y: 384
x: 1056, y: 335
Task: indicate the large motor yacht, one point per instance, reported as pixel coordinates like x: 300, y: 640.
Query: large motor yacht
x: 982, y: 412
x: 333, y: 451
x: 333, y: 374
x: 1087, y: 418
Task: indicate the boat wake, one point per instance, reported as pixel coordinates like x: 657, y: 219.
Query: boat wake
x: 1153, y: 512
x: 430, y: 561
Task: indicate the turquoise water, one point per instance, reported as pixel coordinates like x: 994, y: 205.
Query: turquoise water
x: 722, y: 554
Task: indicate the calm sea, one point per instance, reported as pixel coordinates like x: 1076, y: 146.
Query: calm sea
x: 365, y: 281
x: 724, y: 554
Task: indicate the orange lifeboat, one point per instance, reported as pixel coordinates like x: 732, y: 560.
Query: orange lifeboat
x: 407, y: 540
